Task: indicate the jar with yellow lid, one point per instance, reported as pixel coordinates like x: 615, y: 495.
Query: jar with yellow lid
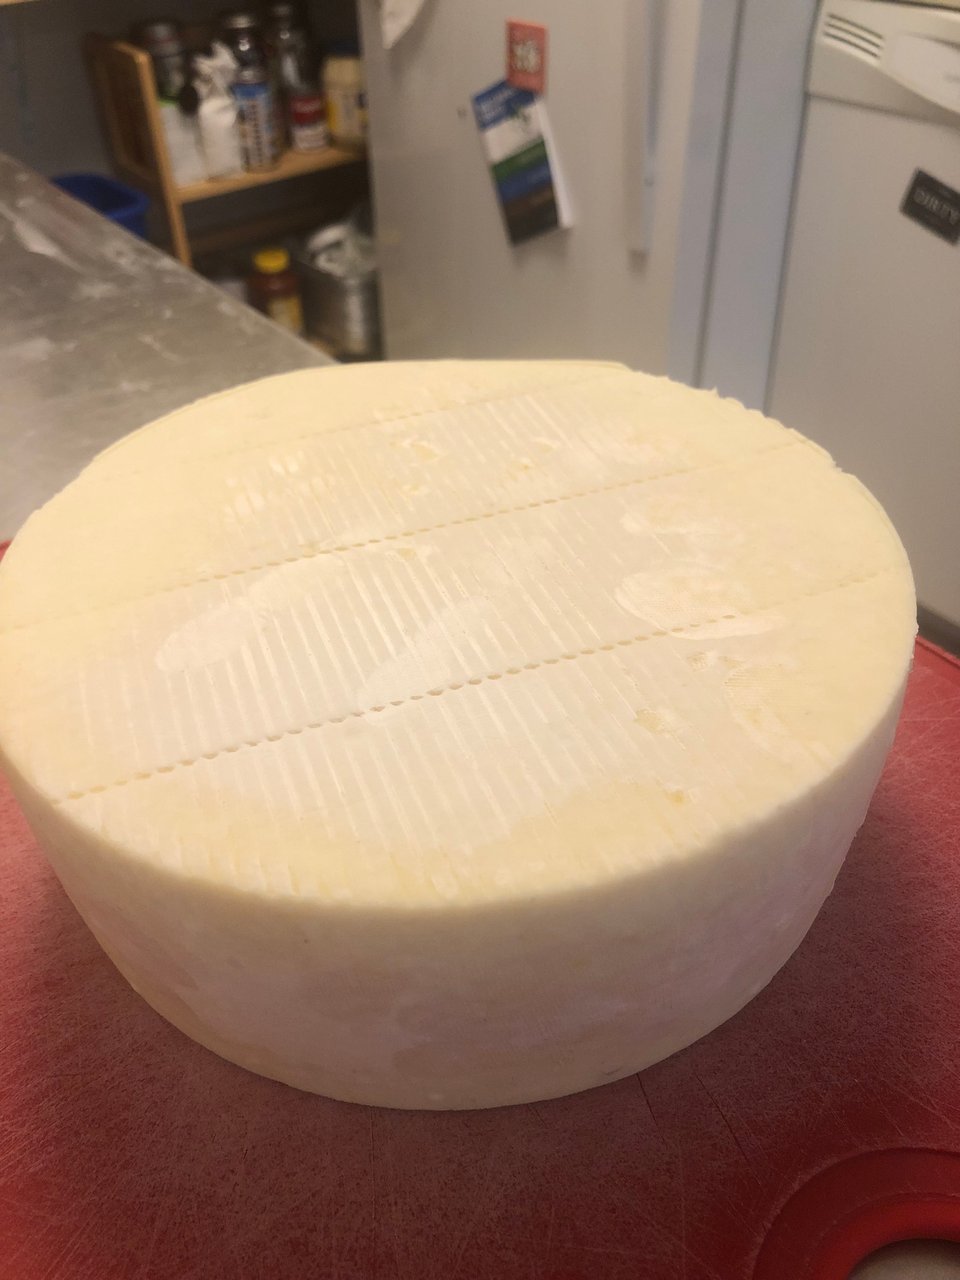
x: 273, y: 288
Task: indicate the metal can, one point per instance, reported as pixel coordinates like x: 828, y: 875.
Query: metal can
x: 340, y: 293
x: 308, y: 120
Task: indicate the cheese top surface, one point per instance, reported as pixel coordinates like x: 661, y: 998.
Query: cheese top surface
x: 446, y: 633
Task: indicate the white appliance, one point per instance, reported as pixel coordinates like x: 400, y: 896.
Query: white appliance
x: 675, y: 124
x: 868, y: 354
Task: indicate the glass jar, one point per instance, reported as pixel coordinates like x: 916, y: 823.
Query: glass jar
x: 273, y: 288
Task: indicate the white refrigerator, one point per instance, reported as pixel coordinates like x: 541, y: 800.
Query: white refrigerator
x: 871, y: 302
x: 675, y: 124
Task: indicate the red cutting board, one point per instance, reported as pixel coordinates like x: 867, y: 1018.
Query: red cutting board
x: 129, y: 1153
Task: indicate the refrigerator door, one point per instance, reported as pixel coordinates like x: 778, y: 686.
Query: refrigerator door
x: 635, y: 94
x: 867, y: 354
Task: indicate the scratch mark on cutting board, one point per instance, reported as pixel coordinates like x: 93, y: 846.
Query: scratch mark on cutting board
x: 924, y: 1099
x: 373, y: 1174
x: 548, y: 1244
x: 656, y: 1123
x: 684, y: 1248
x: 159, y: 1217
x: 875, y: 1097
x: 75, y: 1238
x: 729, y: 1127
x: 679, y: 1238
x: 532, y: 1106
x: 481, y: 1210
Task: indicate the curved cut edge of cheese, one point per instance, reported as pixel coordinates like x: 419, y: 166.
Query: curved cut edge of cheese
x: 502, y: 1004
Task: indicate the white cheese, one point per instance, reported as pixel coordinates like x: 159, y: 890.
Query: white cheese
x: 452, y: 734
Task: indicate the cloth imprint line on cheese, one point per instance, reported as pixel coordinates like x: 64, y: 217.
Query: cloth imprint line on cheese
x: 401, y: 535
x: 572, y: 656
x: 392, y: 420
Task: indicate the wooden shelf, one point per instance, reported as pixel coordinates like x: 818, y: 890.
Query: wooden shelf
x: 123, y: 81
x: 293, y: 164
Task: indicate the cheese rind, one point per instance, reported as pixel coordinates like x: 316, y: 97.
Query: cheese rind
x: 452, y: 735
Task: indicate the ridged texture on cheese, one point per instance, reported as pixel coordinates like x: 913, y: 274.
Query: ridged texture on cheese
x: 452, y: 734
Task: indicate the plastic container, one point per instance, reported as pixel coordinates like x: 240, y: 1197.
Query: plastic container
x: 345, y: 90
x: 123, y: 205
x: 275, y: 290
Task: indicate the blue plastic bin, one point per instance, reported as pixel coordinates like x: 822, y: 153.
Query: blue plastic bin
x: 115, y: 200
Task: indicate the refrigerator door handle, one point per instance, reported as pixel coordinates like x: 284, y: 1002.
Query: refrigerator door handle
x: 640, y: 97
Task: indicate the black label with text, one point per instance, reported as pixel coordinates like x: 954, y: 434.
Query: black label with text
x: 934, y: 205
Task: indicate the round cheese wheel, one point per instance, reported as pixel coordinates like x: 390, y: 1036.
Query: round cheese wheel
x: 452, y: 734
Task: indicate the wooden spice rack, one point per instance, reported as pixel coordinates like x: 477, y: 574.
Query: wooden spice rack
x: 126, y: 92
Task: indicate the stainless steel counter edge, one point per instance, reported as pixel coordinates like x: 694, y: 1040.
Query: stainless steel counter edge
x: 101, y: 333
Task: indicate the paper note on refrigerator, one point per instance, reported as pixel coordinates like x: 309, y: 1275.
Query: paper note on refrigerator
x: 519, y: 148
